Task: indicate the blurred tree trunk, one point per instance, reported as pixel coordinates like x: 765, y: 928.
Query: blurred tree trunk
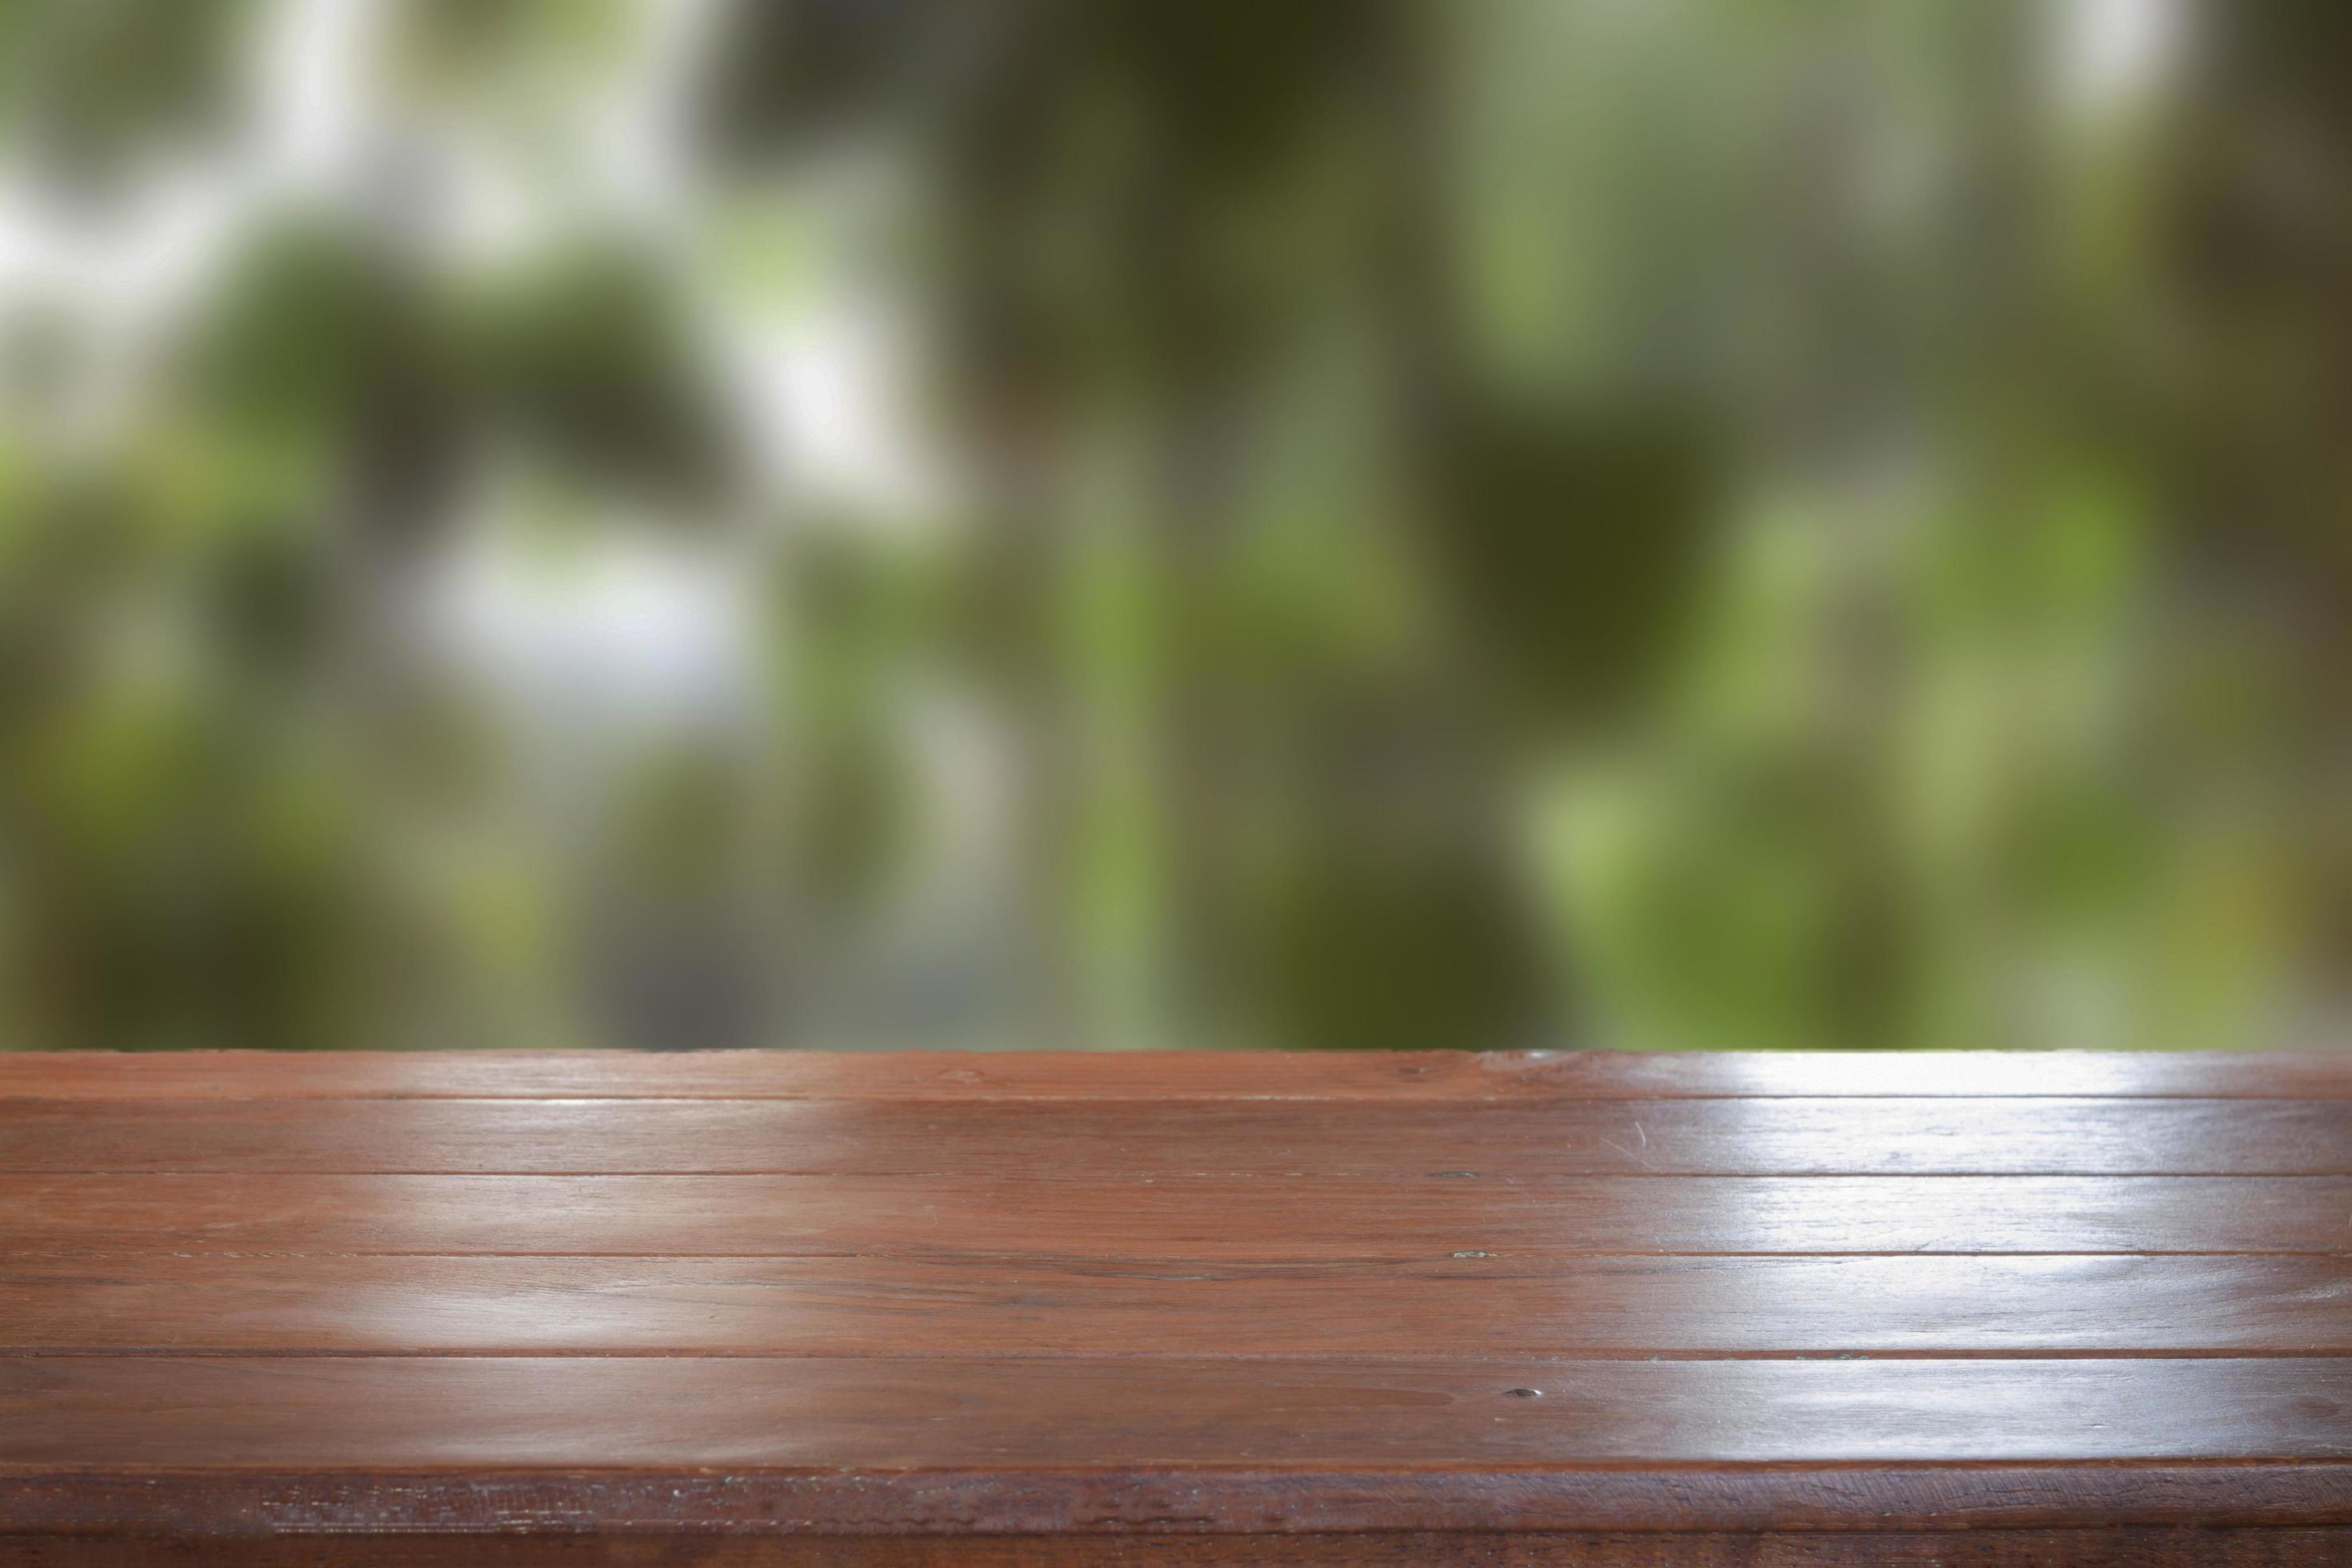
x: 2262, y: 445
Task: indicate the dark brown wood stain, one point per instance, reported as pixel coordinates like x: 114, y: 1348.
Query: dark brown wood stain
x: 786, y: 1309
x: 2125, y: 1548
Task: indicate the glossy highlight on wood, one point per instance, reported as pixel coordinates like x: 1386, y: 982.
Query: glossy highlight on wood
x: 1178, y: 1219
x: 1076, y: 1139
x: 1187, y: 1309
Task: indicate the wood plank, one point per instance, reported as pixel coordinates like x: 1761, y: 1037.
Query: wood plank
x: 925, y: 1308
x: 928, y: 1443
x: 1211, y: 1219
x: 1486, y: 1308
x: 1431, y: 1076
x: 1567, y: 1137
x: 1109, y: 1505
x: 2157, y: 1546
x: 918, y: 1413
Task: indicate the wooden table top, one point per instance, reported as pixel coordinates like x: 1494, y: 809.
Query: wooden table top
x: 793, y: 1308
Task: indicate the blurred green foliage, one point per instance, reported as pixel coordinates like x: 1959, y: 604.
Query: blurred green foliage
x: 91, y: 85
x: 1693, y: 524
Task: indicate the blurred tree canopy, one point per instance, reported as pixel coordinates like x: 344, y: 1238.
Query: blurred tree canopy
x: 1332, y: 526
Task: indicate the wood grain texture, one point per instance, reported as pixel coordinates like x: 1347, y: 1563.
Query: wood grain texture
x: 767, y: 1307
x: 1494, y: 1142
x: 2124, y: 1548
x: 1105, y: 1502
x: 1173, y: 1219
x: 1489, y: 1307
x: 1435, y: 1075
x: 925, y: 1414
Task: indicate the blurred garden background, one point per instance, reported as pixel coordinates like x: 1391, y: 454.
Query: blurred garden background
x: 1126, y: 523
